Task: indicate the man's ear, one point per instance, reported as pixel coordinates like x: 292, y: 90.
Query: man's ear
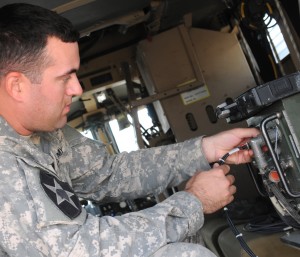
x: 15, y: 84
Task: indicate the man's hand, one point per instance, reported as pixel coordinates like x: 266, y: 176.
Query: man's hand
x: 214, y: 147
x: 213, y: 188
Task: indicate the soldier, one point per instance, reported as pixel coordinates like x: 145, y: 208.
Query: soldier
x: 47, y: 166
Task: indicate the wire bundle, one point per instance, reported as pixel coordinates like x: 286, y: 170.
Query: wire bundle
x: 238, y: 235
x: 266, y: 224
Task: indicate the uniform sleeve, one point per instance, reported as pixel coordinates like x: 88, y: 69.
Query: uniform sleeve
x: 98, y: 176
x: 33, y: 221
x: 32, y: 225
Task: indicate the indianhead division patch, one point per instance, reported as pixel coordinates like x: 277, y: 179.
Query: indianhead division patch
x: 61, y: 194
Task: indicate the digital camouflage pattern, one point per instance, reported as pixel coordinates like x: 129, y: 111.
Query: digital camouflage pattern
x: 42, y: 177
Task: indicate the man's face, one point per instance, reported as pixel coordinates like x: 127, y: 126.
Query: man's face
x: 49, y: 102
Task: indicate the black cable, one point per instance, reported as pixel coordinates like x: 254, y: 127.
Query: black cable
x: 238, y: 235
x: 258, y: 188
x: 266, y: 224
x: 234, y: 150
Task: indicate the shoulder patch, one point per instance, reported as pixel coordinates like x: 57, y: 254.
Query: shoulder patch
x: 61, y: 194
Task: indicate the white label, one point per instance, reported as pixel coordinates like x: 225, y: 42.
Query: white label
x: 195, y: 95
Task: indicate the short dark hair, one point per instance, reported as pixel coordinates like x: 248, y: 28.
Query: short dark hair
x: 24, y: 31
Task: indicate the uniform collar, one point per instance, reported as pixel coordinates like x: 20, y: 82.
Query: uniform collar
x: 22, y: 146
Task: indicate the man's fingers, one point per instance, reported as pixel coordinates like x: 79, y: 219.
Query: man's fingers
x: 225, y: 169
x: 246, y: 133
x: 231, y: 179
x: 232, y: 189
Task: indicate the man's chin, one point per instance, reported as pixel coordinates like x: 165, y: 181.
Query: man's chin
x: 60, y: 124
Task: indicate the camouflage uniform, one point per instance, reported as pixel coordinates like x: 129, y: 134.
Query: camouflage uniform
x: 43, y: 175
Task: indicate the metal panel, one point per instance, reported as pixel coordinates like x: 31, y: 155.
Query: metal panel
x: 167, y: 63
